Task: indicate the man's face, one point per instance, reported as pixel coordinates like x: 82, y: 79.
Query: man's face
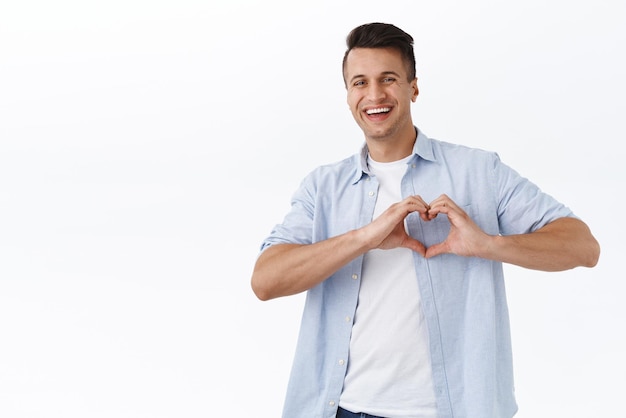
x: 379, y: 94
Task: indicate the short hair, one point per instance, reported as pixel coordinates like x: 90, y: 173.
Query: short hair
x: 382, y: 35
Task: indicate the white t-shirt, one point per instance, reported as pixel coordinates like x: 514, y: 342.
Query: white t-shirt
x: 389, y: 372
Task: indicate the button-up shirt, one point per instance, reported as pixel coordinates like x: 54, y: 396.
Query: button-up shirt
x: 463, y: 298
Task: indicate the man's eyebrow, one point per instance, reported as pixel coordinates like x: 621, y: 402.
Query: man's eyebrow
x: 390, y: 73
x: 356, y: 76
x: 382, y: 74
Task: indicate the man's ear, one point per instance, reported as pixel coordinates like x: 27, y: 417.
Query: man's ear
x: 416, y: 90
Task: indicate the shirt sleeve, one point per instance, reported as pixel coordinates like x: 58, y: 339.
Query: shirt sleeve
x: 297, y: 226
x: 522, y: 206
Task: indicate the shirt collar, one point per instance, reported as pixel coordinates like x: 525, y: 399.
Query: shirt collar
x: 423, y: 148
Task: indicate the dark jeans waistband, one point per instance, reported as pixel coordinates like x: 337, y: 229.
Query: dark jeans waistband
x: 342, y: 413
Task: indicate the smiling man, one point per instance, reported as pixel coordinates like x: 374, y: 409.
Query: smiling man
x: 400, y: 250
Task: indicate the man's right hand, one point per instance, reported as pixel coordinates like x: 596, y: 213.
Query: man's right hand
x: 388, y: 230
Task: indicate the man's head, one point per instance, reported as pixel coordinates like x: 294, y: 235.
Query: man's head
x: 382, y: 35
x: 379, y: 73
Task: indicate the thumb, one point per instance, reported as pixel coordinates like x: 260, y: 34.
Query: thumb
x: 437, y: 249
x: 415, y: 245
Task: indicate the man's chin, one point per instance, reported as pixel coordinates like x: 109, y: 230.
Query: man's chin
x: 378, y: 134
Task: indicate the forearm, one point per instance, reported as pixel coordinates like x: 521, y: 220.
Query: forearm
x: 560, y: 245
x: 288, y: 269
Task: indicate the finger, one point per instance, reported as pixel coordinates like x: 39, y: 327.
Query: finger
x: 417, y: 200
x: 443, y: 200
x: 437, y: 208
x: 443, y: 204
x: 415, y: 245
x: 417, y: 204
x: 437, y: 249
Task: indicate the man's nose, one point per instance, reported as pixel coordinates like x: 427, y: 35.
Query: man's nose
x: 375, y: 92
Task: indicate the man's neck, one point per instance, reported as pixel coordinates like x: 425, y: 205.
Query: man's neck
x: 392, y: 149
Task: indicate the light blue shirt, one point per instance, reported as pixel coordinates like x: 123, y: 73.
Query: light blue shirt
x: 463, y: 298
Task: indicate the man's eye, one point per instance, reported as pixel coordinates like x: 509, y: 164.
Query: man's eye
x: 388, y: 80
x: 359, y: 83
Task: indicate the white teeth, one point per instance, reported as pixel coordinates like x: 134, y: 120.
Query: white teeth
x: 378, y: 110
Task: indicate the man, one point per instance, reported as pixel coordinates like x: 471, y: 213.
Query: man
x: 400, y: 249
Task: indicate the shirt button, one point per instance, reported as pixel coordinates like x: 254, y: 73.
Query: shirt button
x: 371, y: 193
x: 355, y: 276
x: 348, y: 319
x: 341, y: 362
x: 331, y: 403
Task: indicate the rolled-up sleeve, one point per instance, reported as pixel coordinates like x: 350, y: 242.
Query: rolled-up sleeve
x: 297, y: 226
x: 522, y: 206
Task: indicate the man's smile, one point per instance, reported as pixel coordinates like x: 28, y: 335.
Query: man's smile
x: 377, y: 114
x: 378, y: 110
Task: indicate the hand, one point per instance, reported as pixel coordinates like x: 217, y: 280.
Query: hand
x: 387, y: 231
x: 465, y: 237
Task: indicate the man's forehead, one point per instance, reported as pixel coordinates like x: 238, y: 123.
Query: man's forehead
x: 374, y: 62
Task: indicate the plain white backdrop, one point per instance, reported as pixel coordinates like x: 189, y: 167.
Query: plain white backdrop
x: 148, y: 147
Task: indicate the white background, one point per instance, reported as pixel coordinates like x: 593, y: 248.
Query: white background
x: 148, y: 147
